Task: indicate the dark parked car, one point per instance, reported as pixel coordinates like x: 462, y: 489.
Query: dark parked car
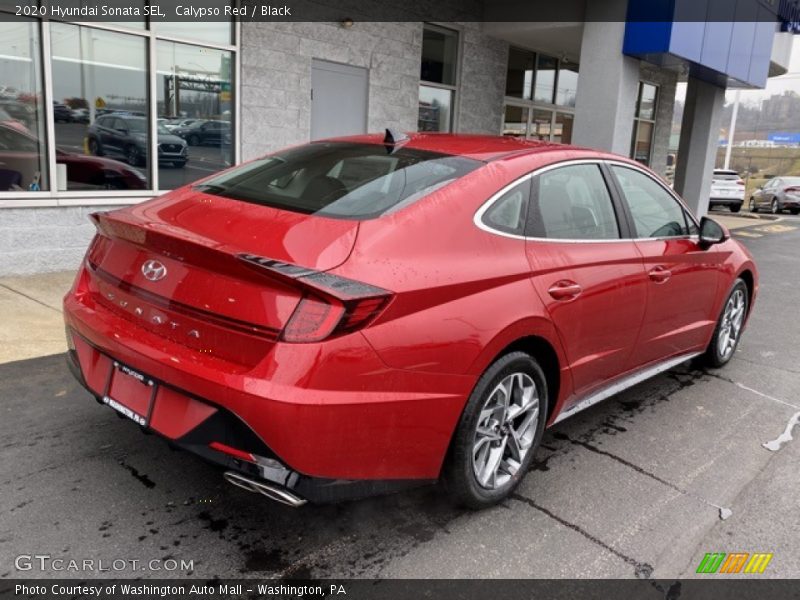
x: 20, y: 164
x: 204, y: 132
x: 62, y: 112
x: 777, y: 195
x: 126, y: 136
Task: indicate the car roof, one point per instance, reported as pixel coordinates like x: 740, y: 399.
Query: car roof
x: 478, y: 147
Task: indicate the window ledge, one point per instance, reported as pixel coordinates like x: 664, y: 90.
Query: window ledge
x: 26, y: 202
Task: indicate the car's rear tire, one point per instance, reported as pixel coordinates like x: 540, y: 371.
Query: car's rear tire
x: 94, y: 147
x: 728, y: 331
x: 498, y: 433
x: 735, y: 208
x: 795, y: 211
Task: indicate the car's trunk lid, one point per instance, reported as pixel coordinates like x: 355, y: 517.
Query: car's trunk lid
x: 173, y: 265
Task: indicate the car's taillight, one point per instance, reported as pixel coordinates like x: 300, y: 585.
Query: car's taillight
x: 331, y: 304
x: 792, y: 190
x: 317, y: 318
x: 740, y: 182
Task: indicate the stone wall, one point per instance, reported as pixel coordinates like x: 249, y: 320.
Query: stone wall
x: 667, y: 82
x: 276, y: 77
x: 40, y: 240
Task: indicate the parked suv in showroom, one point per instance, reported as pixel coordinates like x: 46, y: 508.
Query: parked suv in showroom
x: 126, y: 136
x: 354, y: 316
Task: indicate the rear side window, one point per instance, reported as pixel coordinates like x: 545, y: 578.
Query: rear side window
x: 655, y: 212
x: 341, y: 179
x: 573, y: 203
x: 510, y: 211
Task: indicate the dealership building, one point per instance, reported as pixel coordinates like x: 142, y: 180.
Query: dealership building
x: 84, y: 106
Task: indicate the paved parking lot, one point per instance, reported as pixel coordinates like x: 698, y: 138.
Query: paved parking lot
x: 633, y: 487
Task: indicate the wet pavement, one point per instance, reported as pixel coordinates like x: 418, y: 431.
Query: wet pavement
x: 633, y: 487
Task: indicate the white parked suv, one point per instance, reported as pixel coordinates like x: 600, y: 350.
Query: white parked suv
x: 727, y: 189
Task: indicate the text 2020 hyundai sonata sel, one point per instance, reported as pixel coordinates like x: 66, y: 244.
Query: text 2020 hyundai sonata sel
x: 357, y: 315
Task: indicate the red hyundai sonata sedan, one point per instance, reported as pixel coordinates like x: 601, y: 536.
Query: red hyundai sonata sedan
x: 358, y: 315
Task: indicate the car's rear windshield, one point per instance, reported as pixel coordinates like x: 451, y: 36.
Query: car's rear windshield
x: 726, y: 175
x: 341, y: 179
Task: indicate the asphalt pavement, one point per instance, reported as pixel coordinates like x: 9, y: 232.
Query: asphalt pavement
x: 634, y: 487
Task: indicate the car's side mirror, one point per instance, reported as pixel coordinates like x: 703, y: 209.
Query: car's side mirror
x: 711, y: 233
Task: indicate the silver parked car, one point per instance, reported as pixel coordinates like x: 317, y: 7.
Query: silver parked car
x: 777, y: 194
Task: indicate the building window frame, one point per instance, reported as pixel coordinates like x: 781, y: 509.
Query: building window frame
x: 638, y: 120
x: 452, y: 88
x: 532, y: 105
x: 52, y: 197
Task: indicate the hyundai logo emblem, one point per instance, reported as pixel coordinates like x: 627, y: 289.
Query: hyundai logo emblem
x: 154, y: 270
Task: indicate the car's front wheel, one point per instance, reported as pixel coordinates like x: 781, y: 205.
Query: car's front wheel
x: 498, y: 433
x: 753, y: 207
x: 775, y: 207
x: 133, y: 156
x: 729, y: 327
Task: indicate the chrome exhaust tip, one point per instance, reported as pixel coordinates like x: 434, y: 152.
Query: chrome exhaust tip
x: 264, y: 488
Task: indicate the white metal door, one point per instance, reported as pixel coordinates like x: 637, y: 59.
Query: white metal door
x: 338, y: 100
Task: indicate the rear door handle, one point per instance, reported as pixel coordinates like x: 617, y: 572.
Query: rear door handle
x: 660, y: 274
x: 565, y: 290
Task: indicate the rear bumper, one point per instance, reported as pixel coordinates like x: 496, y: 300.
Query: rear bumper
x: 727, y: 200
x: 222, y: 426
x: 331, y: 411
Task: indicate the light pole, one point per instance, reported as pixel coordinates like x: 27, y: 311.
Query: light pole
x: 732, y: 129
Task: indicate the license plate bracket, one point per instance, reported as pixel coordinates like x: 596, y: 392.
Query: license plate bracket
x: 130, y: 393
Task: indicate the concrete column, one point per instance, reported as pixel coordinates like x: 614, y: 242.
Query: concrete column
x: 608, y: 82
x: 697, y: 150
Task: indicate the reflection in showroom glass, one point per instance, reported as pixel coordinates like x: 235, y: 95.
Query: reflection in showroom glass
x: 100, y: 109
x: 195, y: 106
x: 23, y: 163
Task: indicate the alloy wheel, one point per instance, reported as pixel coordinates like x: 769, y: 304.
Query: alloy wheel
x: 133, y: 156
x: 774, y: 206
x: 505, y: 430
x: 731, y: 327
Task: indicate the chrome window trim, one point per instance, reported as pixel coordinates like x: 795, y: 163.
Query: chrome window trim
x: 478, y: 217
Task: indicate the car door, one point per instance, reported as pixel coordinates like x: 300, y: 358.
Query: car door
x: 764, y: 194
x: 214, y: 133
x: 112, y: 136
x: 682, y: 276
x: 586, y: 270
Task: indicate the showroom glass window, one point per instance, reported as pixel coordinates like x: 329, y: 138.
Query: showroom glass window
x: 438, y: 74
x: 194, y: 91
x: 97, y: 73
x: 540, y: 96
x: 23, y: 155
x: 65, y: 146
x: 644, y: 123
